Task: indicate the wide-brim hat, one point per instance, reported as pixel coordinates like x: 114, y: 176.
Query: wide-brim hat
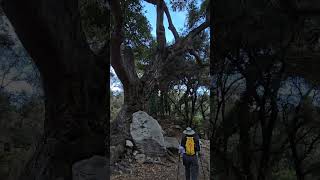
x: 188, y: 131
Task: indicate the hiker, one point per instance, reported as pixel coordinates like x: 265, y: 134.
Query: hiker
x: 190, y: 149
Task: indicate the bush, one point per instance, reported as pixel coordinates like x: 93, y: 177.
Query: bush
x: 284, y: 174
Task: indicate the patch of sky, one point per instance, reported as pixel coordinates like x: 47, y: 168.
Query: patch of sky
x: 292, y: 89
x: 115, y: 84
x: 178, y: 19
x: 203, y: 90
x: 316, y: 100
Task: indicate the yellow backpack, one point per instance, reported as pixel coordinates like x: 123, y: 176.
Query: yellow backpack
x: 190, y: 146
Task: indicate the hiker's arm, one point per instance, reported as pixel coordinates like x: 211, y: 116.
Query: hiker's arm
x: 182, y: 145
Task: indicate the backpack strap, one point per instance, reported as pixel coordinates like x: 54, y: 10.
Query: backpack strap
x: 183, y: 141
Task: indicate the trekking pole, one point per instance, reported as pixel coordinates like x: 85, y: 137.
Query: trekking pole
x: 178, y: 168
x: 204, y: 174
x: 179, y: 153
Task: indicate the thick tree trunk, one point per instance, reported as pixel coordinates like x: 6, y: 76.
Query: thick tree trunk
x: 135, y: 97
x: 72, y: 130
x: 245, y: 141
x: 74, y: 82
x: 133, y: 102
x: 296, y: 159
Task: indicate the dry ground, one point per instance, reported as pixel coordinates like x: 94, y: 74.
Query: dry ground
x: 168, y: 170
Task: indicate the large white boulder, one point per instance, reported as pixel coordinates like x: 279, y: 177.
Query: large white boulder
x: 147, y: 134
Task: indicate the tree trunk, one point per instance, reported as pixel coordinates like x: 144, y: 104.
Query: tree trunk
x: 135, y: 97
x: 74, y: 83
x: 245, y: 136
x: 136, y: 94
x: 72, y: 130
x: 133, y: 102
x: 162, y: 104
x: 296, y: 159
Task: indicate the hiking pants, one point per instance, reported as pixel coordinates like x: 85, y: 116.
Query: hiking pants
x: 191, y: 166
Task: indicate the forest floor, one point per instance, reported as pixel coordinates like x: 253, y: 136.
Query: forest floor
x: 169, y: 167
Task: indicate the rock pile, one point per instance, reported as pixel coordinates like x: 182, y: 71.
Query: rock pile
x: 147, y: 146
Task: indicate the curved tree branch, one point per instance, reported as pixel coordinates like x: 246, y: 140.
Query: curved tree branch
x: 185, y: 44
x: 171, y: 26
x: 166, y: 11
x: 161, y: 37
x: 154, y: 2
x: 123, y: 66
x: 198, y: 30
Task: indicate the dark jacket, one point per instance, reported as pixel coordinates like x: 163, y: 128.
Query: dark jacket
x: 196, y: 139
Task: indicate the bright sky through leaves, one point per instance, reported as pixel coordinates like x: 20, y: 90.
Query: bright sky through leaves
x: 178, y: 19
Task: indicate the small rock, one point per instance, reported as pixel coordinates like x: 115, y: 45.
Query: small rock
x: 149, y: 160
x: 157, y: 160
x: 129, y: 144
x: 135, y: 153
x: 140, y: 158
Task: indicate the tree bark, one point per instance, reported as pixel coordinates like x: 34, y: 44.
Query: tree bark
x: 245, y: 140
x: 74, y: 83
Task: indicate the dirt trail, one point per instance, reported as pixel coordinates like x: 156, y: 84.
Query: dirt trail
x: 167, y: 170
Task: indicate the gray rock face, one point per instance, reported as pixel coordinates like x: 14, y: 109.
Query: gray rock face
x: 95, y: 168
x: 147, y: 134
x: 171, y: 143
